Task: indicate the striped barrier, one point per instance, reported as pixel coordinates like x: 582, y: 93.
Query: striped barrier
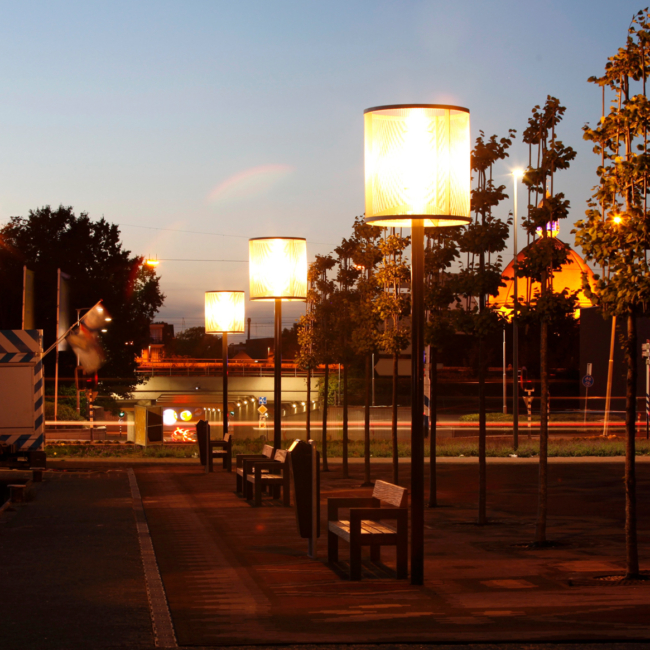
x: 25, y: 347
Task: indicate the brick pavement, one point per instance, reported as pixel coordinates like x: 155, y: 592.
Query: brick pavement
x: 239, y: 575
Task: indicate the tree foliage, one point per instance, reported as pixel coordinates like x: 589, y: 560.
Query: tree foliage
x: 91, y: 253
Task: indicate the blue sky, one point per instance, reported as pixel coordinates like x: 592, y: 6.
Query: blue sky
x: 245, y: 119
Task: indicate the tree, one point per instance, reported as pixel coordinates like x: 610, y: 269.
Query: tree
x: 441, y: 251
x: 100, y: 269
x: 196, y: 344
x: 393, y: 305
x: 315, y: 332
x: 616, y: 231
x: 485, y: 237
x: 365, y: 334
x: 543, y: 258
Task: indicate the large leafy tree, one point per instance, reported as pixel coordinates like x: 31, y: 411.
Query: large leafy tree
x: 616, y: 232
x: 547, y: 156
x: 91, y: 253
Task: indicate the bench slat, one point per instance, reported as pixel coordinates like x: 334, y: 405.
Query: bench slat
x: 393, y: 494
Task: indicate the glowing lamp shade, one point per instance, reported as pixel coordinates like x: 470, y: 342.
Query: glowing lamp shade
x: 224, y: 311
x: 417, y: 165
x: 278, y: 268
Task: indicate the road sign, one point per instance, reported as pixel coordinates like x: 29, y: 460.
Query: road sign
x: 262, y: 410
x: 587, y: 381
x: 262, y: 401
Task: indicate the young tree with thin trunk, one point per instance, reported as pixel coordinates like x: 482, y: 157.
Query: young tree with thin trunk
x: 482, y: 241
x: 547, y: 156
x: 365, y: 335
x: 616, y: 233
x: 393, y: 305
x: 441, y: 251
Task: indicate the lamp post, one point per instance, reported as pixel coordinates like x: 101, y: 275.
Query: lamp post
x: 417, y: 175
x: 278, y: 272
x: 517, y: 174
x: 224, y: 313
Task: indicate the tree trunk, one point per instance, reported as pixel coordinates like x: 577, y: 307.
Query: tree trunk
x: 345, y: 421
x: 308, y: 418
x: 631, y: 549
x: 542, y: 496
x: 433, y: 416
x: 482, y: 468
x: 325, y: 401
x: 366, y: 430
x: 394, y: 422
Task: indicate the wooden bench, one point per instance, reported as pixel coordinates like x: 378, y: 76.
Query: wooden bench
x: 241, y: 467
x: 274, y: 474
x: 365, y: 527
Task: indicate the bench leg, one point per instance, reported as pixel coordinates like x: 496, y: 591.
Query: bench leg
x: 248, y: 490
x: 355, y: 561
x: 332, y: 547
x: 402, y: 557
x: 238, y: 488
x: 375, y: 553
x: 258, y: 493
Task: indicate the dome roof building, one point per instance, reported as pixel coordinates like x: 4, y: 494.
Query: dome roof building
x: 568, y: 277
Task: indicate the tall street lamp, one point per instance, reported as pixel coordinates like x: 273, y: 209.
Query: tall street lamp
x: 278, y: 272
x: 224, y: 313
x: 516, y: 175
x: 417, y: 175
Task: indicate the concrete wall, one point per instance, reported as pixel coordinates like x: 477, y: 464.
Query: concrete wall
x: 293, y: 388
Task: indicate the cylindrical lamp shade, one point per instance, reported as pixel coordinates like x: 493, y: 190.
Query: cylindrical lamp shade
x: 278, y: 268
x: 417, y: 165
x: 224, y: 311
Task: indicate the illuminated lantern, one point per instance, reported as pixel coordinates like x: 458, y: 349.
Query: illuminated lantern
x: 224, y: 311
x: 278, y: 271
x: 278, y: 268
x: 417, y: 175
x: 417, y: 165
x: 186, y: 416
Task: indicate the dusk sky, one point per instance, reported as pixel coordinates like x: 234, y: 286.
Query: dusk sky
x: 196, y: 125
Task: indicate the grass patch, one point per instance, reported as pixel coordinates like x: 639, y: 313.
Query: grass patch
x: 468, y: 447
x: 523, y: 417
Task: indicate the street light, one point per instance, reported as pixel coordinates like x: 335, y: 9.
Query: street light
x: 278, y: 271
x: 417, y: 174
x: 224, y: 312
x: 516, y: 175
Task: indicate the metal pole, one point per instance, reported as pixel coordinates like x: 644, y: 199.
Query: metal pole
x: 505, y: 402
x: 515, y: 338
x: 647, y: 397
x: 610, y: 373
x: 373, y: 378
x: 417, y: 403
x: 314, y: 501
x: 56, y: 363
x: 224, y: 356
x: 277, y: 377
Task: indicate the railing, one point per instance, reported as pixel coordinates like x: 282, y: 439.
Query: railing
x: 214, y: 367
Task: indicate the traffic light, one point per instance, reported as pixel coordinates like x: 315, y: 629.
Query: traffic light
x: 122, y: 414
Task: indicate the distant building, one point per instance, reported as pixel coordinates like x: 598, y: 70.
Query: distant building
x: 160, y: 335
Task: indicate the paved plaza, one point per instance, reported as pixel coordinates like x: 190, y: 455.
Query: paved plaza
x: 222, y: 573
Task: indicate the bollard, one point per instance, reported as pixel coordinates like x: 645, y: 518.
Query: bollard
x: 17, y: 493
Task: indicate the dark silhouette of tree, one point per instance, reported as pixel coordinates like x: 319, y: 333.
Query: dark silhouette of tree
x: 91, y: 253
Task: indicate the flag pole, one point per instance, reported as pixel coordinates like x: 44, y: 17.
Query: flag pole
x: 56, y: 365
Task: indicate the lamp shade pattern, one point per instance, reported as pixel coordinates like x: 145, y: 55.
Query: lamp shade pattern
x: 417, y: 165
x: 278, y: 268
x: 224, y: 311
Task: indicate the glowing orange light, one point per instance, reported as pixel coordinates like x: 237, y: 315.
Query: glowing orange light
x: 278, y: 268
x: 224, y: 311
x: 617, y: 219
x: 183, y: 435
x: 152, y: 263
